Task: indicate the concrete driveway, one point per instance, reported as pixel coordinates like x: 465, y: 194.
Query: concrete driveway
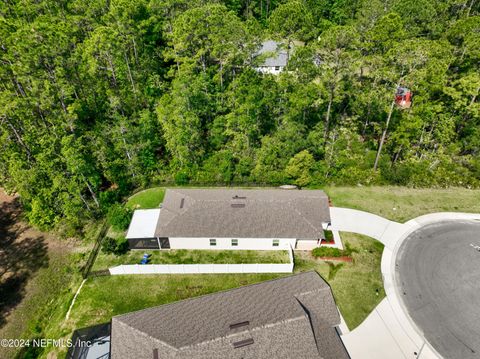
x: 388, y: 332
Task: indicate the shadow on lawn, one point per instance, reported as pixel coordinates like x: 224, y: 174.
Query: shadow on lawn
x: 22, y: 253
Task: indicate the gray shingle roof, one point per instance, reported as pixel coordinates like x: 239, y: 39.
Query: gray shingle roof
x: 279, y: 55
x: 290, y: 317
x: 243, y: 213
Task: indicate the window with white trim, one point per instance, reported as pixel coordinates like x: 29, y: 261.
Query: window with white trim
x: 213, y: 242
x: 276, y: 243
x: 234, y: 242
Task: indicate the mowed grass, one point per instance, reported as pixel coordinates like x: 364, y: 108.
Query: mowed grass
x: 354, y: 285
x: 149, y: 198
x: 402, y: 204
x: 103, y: 297
x: 183, y: 256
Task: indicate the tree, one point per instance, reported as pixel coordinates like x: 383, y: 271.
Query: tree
x: 300, y: 168
x: 291, y: 21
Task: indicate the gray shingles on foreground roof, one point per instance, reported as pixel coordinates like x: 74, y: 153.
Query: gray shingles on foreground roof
x: 243, y: 213
x: 290, y: 317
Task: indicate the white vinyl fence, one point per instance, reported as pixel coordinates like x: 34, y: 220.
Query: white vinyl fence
x: 204, y: 268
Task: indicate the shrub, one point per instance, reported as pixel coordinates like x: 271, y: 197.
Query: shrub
x: 109, y: 245
x: 326, y: 252
x: 182, y: 178
x: 333, y: 269
x: 329, y: 236
x: 119, y: 217
x: 115, y: 246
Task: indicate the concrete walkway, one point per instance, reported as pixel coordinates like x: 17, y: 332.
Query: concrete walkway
x: 388, y: 332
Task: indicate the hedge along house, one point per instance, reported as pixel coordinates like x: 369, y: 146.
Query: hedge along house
x: 254, y: 219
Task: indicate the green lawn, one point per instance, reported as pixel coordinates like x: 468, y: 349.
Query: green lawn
x: 401, y: 203
x: 103, y: 297
x: 354, y: 287
x: 149, y: 198
x: 183, y: 256
x: 354, y: 284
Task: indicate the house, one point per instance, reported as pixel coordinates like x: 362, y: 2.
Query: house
x: 255, y: 219
x: 290, y: 317
x: 276, y: 58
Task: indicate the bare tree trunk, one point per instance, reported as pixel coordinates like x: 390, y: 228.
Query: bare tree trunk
x: 112, y: 68
x: 474, y: 97
x: 130, y: 74
x: 84, y: 201
x: 92, y: 192
x: 384, y: 134
x: 19, y: 139
x: 221, y: 76
x: 397, y: 155
x: 135, y: 50
x: 470, y: 7
x: 330, y: 156
x: 329, y: 110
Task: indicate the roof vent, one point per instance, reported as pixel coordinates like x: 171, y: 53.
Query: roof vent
x: 243, y: 343
x: 238, y: 205
x: 239, y: 197
x: 182, y: 202
x: 288, y: 186
x: 238, y: 325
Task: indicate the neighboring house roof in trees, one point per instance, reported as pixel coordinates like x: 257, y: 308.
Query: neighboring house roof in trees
x: 290, y: 317
x: 277, y: 53
x: 243, y: 213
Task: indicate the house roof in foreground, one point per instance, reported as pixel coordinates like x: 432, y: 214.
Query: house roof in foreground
x: 143, y: 223
x: 290, y: 317
x: 243, y: 213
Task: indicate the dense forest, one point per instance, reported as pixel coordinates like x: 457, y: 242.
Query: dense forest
x: 100, y: 97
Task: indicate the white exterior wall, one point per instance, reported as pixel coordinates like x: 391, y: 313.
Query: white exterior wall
x: 226, y: 243
x: 269, y: 70
x: 304, y: 244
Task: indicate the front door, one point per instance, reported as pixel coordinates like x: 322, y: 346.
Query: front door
x: 164, y: 243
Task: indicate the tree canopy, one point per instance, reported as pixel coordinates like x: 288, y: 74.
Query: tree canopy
x: 98, y: 99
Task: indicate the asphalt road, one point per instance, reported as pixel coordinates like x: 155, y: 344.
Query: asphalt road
x: 438, y: 276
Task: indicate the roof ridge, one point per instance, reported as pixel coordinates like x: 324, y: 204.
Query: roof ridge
x: 303, y: 217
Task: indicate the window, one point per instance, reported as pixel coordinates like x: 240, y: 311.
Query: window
x: 277, y: 68
x: 234, y: 242
x: 213, y: 242
x: 276, y: 243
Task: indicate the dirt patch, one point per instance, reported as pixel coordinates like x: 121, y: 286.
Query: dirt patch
x: 23, y: 252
